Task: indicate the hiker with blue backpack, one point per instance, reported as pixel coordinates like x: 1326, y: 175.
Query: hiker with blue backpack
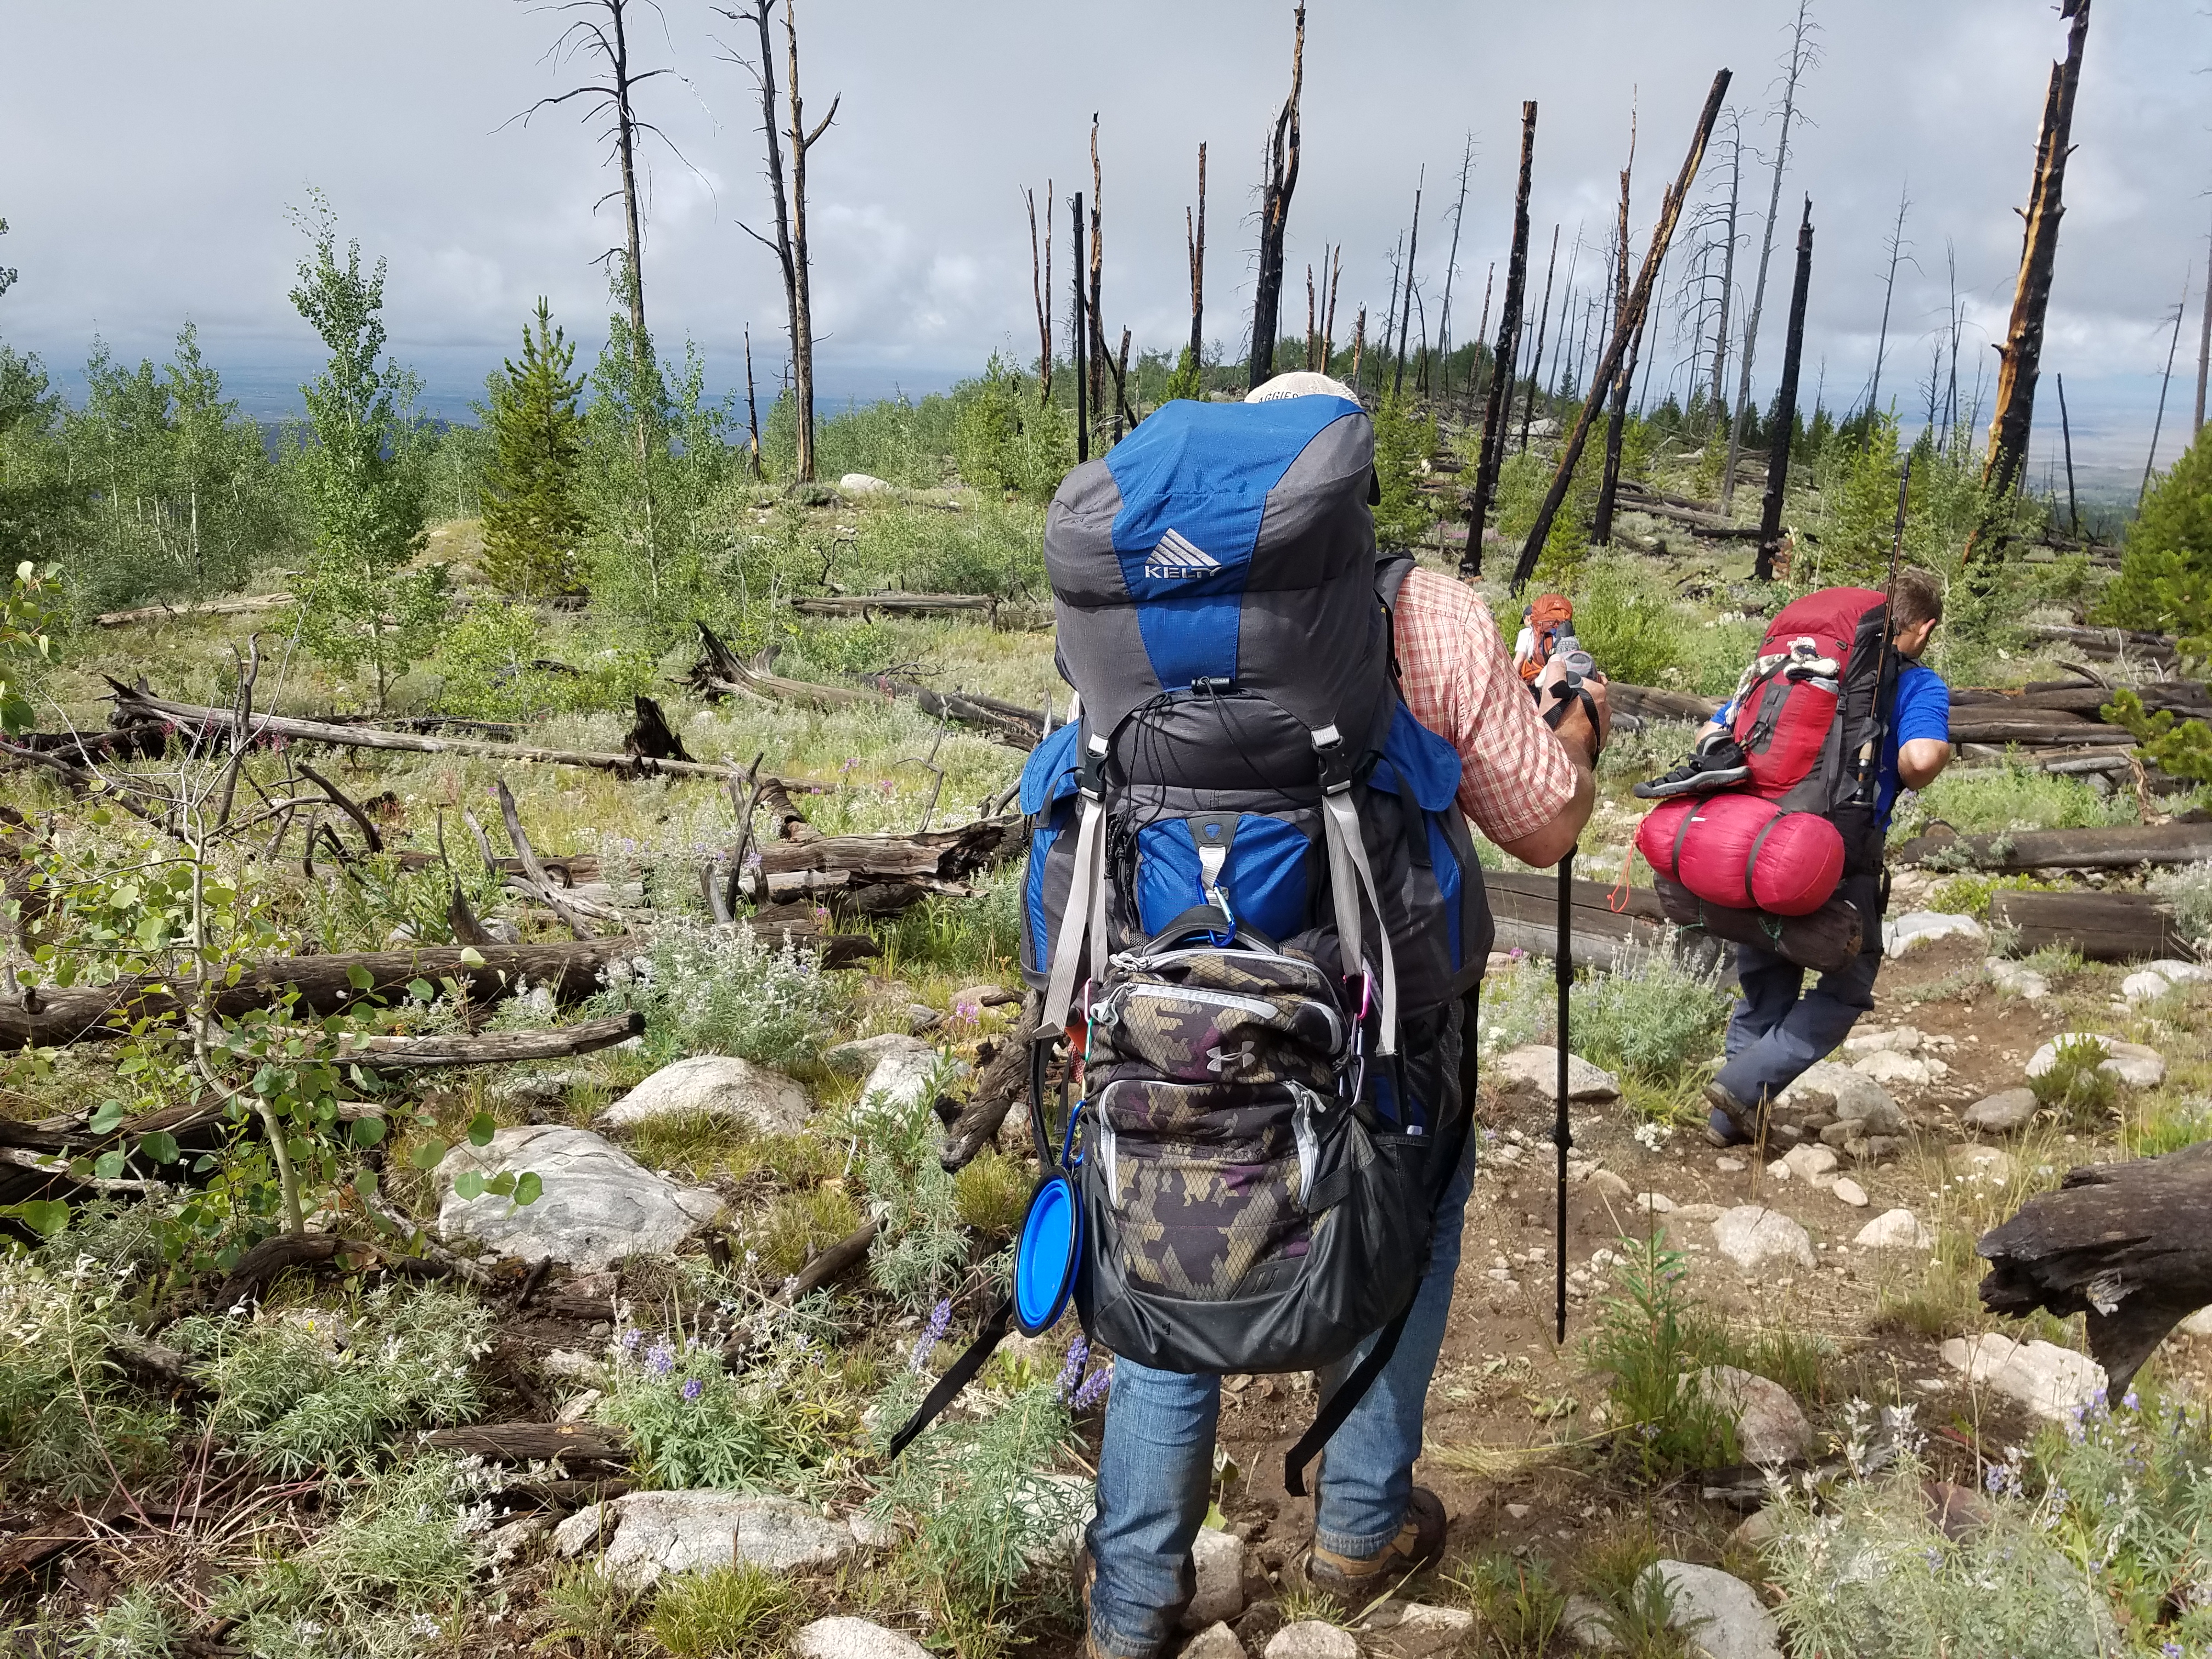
x: 1255, y: 917
x: 1834, y: 717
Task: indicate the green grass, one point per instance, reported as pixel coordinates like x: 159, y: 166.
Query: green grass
x: 730, y: 1613
x: 2077, y: 1087
x: 1516, y: 1604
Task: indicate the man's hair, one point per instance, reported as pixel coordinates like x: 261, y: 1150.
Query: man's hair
x: 1919, y: 599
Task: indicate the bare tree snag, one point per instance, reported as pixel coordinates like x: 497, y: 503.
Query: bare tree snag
x: 1785, y: 404
x: 1623, y: 329
x: 2165, y: 382
x: 1728, y: 270
x: 2129, y: 1245
x: 1275, y: 212
x: 1451, y: 267
x: 2021, y: 354
x: 1041, y: 285
x: 1888, y: 293
x: 802, y: 307
x: 1096, y: 347
x: 1328, y: 311
x: 752, y: 404
x: 1195, y: 239
x: 651, y: 737
x: 2204, y: 369
x: 1079, y: 350
x: 1497, y: 404
x: 1543, y: 327
x: 1413, y: 253
x: 2066, y: 439
x: 1616, y: 426
x: 1803, y: 53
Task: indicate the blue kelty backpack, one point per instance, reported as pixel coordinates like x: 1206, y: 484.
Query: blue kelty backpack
x: 1252, y: 910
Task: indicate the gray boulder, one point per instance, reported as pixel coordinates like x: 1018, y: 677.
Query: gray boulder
x: 2131, y: 1063
x: 1895, y: 1230
x: 1536, y: 1066
x: 1756, y: 1239
x: 1585, y: 1621
x: 1309, y: 1638
x: 860, y: 1055
x: 1770, y: 1427
x: 1218, y: 1558
x: 853, y: 1639
x: 654, y: 1533
x: 1414, y: 1630
x: 598, y: 1203
x: 1214, y: 1642
x: 715, y: 1086
x: 2002, y: 1112
x: 2049, y: 1380
x: 1838, y: 1092
x: 1721, y: 1614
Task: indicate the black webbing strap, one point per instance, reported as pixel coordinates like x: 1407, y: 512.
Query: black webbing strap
x: 1751, y: 864
x: 1354, y: 1388
x: 958, y: 1378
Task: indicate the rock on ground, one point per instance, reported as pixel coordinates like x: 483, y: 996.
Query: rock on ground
x: 1536, y: 1066
x: 1754, y: 1238
x: 1720, y: 1612
x: 718, y: 1085
x: 599, y: 1204
x: 853, y: 1639
x: 658, y: 1532
x: 2049, y: 1380
x: 1583, y: 1620
x: 1891, y: 1069
x: 1918, y: 927
x: 2002, y: 1112
x: 1214, y: 1642
x: 1814, y: 1165
x: 1845, y: 1095
x: 1309, y: 1638
x: 2021, y: 981
x: 1770, y: 1427
x: 862, y: 483
x: 1850, y: 1192
x: 861, y: 1055
x: 1894, y: 1229
x: 2198, y: 1324
x: 1414, y: 1630
x: 1218, y: 1558
x: 901, y: 1078
x: 2130, y: 1062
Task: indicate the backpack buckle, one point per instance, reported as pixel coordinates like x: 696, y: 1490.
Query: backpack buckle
x: 1336, y: 766
x: 1090, y: 777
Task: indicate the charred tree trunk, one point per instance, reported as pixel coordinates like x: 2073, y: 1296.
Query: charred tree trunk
x: 1616, y: 425
x: 1498, y: 403
x: 2066, y: 437
x: 1543, y: 326
x: 651, y: 737
x: 1275, y: 212
x: 2203, y: 358
x: 2021, y: 354
x: 1451, y: 267
x: 1040, y: 285
x: 1095, y: 344
x: 1194, y: 235
x: 1616, y: 348
x: 1785, y: 404
x: 1728, y: 273
x: 2164, y: 385
x: 802, y: 307
x: 1078, y: 344
x: 1888, y: 293
x: 779, y: 197
x: 752, y: 403
x: 1406, y: 322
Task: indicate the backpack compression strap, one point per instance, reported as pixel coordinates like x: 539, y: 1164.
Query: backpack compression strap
x: 1086, y: 885
x: 1350, y: 875
x: 962, y: 1373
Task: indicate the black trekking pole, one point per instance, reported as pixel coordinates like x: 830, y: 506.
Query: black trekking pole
x: 1562, y: 1133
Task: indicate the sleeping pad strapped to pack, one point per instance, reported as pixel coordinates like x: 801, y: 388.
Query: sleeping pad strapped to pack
x: 1252, y: 902
x: 1799, y: 834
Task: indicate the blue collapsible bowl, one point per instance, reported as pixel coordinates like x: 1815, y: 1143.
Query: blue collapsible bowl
x: 1047, y: 1254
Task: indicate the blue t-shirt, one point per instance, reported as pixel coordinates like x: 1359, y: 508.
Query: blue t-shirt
x: 1923, y: 710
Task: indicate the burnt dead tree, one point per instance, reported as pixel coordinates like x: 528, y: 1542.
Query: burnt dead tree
x: 1543, y: 326
x: 1095, y: 385
x: 1077, y: 340
x: 1405, y: 321
x: 1624, y: 328
x: 2127, y: 1245
x: 1728, y: 266
x: 1497, y: 404
x: 2164, y: 385
x: 1040, y: 287
x: 2020, y: 356
x: 1452, y: 267
x: 1786, y: 406
x: 1194, y: 241
x: 1804, y: 52
x: 1275, y: 212
x: 1616, y: 425
x: 2066, y: 440
x: 1897, y: 246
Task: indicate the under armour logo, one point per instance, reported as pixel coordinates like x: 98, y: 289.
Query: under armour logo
x: 1222, y: 1061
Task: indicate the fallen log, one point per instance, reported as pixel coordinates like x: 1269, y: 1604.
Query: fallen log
x: 1712, y: 528
x: 1010, y: 723
x: 1652, y: 702
x: 720, y: 671
x: 2121, y: 847
x: 846, y: 1254
x: 140, y: 740
x: 239, y: 607
x: 1525, y: 909
x: 532, y: 1442
x: 2101, y: 926
x: 896, y: 604
x: 215, y: 722
x: 2030, y: 731
x: 2128, y: 1245
x: 1001, y: 1081
x: 417, y: 1054
x: 2184, y: 697
x: 2109, y: 641
x: 48, y: 1016
x: 944, y: 855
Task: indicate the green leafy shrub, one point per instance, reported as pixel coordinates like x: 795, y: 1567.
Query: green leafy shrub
x: 1634, y: 633
x: 2077, y: 1086
x: 1970, y: 895
x: 2165, y: 574
x: 1518, y: 1604
x: 1651, y: 1341
x: 730, y: 1613
x: 2182, y: 748
x: 693, y: 1424
x: 67, y: 1424
x: 1402, y: 442
x: 2014, y: 794
x: 1003, y: 440
x: 303, y: 1390
x: 1656, y: 1022
x: 483, y: 665
x: 2189, y: 891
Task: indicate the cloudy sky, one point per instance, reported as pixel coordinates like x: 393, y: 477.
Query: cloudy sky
x: 152, y: 149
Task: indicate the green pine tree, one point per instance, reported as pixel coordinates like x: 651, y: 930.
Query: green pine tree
x: 532, y: 520
x: 2165, y: 574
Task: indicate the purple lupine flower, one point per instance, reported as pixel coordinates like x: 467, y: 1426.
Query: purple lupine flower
x: 940, y: 1321
x: 1095, y: 1387
x: 1993, y: 1481
x: 631, y: 1338
x: 2130, y: 1401
x: 1071, y: 1373
x: 2171, y: 1651
x: 693, y: 1388
x: 660, y: 1359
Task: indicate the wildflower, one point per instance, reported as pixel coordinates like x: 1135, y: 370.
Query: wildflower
x: 940, y: 1321
x: 2130, y: 1401
x: 693, y: 1388
x: 630, y: 1339
x: 1095, y: 1387
x: 660, y: 1359
x: 1071, y: 1373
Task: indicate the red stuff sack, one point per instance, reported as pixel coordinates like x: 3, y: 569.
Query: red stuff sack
x: 1789, y: 704
x: 1744, y: 853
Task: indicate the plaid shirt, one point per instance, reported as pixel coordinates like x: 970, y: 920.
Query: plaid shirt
x: 1514, y: 777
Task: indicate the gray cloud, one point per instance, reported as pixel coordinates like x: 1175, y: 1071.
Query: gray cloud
x: 156, y: 147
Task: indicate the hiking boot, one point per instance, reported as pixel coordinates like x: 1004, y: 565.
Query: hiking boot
x: 1715, y: 764
x: 1731, y: 1122
x: 1420, y: 1544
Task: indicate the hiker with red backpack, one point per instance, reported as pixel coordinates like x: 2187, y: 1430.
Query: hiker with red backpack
x: 1256, y: 918
x: 1786, y: 801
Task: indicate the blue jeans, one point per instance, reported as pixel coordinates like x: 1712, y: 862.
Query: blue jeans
x: 1776, y: 1035
x: 1156, y: 1468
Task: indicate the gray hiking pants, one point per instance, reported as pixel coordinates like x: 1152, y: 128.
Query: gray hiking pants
x: 1777, y: 1034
